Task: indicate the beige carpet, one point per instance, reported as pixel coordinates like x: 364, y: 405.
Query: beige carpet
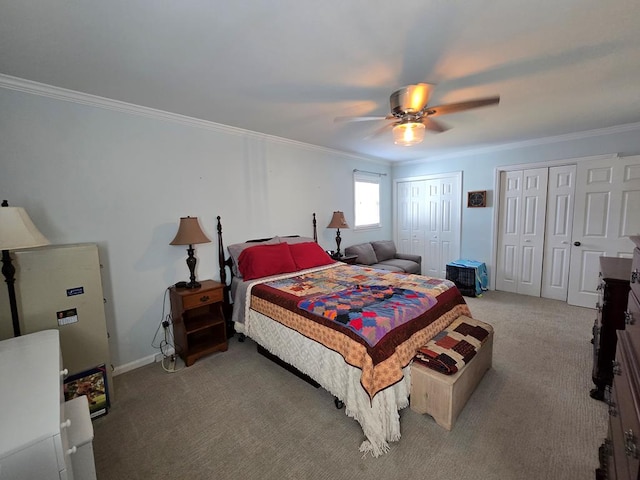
x: 235, y: 415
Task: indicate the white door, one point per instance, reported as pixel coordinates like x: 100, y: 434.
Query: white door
x: 431, y: 260
x: 557, y: 246
x: 607, y: 212
x: 509, y: 231
x: 450, y: 219
x: 521, y: 236
x: 428, y: 220
x: 443, y: 197
x: 410, y: 217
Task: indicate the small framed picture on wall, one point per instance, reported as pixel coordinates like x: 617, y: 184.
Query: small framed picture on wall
x: 477, y: 198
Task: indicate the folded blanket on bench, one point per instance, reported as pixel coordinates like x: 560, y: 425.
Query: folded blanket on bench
x: 454, y: 347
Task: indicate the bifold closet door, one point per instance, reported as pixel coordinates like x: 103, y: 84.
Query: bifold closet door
x: 411, y: 217
x: 443, y: 225
x: 523, y: 201
x: 557, y: 246
x: 428, y: 216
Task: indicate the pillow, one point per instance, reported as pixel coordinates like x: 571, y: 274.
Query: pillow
x: 309, y: 255
x: 237, y: 248
x: 265, y: 260
x: 294, y: 240
x: 365, y: 253
x: 385, y: 249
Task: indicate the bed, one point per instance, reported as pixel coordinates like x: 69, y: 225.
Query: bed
x: 354, y: 330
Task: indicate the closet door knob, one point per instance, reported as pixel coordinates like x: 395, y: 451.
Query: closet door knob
x: 577, y: 244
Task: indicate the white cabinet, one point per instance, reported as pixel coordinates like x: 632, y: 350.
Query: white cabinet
x: 36, y: 431
x: 80, y: 437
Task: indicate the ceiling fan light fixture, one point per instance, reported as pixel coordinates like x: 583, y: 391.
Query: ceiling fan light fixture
x: 408, y: 133
x: 410, y: 99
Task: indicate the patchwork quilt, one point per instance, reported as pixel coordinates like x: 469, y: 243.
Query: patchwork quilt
x: 375, y: 319
x: 372, y: 311
x: 451, y: 349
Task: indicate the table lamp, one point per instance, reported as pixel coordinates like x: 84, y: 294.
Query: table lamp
x: 338, y: 221
x: 16, y: 231
x: 190, y: 233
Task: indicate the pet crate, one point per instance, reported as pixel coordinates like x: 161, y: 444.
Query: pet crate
x: 469, y: 276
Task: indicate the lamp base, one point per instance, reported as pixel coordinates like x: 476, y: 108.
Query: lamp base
x: 191, y: 263
x: 8, y: 270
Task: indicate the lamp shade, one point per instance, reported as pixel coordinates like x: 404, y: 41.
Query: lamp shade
x: 407, y: 134
x: 189, y: 232
x: 18, y: 231
x: 338, y: 221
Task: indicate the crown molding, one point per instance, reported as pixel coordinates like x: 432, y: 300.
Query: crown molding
x: 44, y: 90
x: 35, y: 88
x: 627, y: 127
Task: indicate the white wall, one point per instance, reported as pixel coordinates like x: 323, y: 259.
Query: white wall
x: 121, y: 178
x: 479, y: 172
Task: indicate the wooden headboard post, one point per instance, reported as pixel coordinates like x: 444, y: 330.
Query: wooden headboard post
x: 221, y: 263
x: 315, y: 231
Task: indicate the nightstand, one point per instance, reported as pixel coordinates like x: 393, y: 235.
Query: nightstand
x: 198, y: 320
x: 350, y: 259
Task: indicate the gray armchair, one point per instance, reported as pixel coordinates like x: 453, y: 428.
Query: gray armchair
x: 382, y: 254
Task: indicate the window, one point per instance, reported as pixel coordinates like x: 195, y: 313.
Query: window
x: 367, y: 200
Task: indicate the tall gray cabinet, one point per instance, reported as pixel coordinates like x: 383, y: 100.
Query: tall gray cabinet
x: 60, y: 287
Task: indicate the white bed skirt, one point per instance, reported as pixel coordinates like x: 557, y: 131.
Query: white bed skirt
x: 379, y: 419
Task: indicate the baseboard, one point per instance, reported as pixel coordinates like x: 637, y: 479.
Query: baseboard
x: 127, y: 367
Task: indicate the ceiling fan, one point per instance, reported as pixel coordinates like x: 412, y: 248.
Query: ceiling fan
x: 412, y: 114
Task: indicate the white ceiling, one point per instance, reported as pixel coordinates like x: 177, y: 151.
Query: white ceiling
x: 288, y: 67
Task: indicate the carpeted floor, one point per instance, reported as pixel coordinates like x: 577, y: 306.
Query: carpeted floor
x: 235, y: 415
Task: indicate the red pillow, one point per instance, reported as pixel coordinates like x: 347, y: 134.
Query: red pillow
x: 309, y: 255
x: 265, y: 260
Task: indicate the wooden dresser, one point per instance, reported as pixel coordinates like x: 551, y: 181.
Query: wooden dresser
x: 620, y: 452
x: 612, y: 303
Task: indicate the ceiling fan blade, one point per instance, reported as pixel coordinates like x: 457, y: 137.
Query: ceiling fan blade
x: 362, y: 119
x: 461, y: 106
x: 434, y: 126
x: 380, y: 131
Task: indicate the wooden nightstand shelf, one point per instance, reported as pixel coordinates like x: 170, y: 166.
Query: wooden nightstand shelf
x: 198, y: 320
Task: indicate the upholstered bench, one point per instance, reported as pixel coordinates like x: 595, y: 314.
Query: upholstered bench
x: 442, y: 395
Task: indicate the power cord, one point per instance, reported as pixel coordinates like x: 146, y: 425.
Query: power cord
x: 166, y: 345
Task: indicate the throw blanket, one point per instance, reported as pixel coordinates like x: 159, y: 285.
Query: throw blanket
x: 371, y: 311
x: 451, y: 349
